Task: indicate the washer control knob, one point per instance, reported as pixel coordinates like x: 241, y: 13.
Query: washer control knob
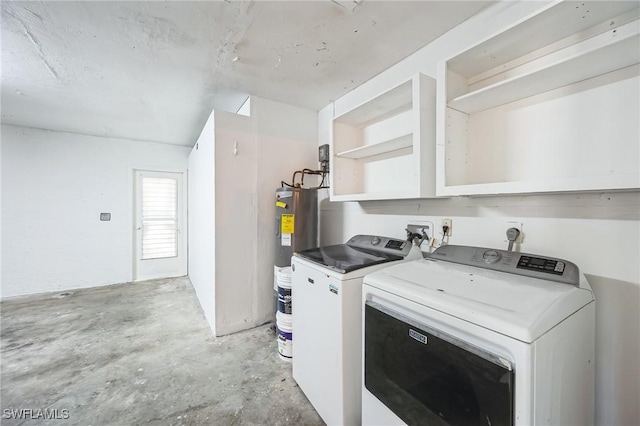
x: 375, y: 241
x: 491, y: 256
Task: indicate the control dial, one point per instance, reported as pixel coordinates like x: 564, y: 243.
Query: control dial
x: 491, y: 256
x: 375, y: 241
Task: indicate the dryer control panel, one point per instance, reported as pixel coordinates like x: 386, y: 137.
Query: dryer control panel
x: 530, y: 265
x: 380, y: 244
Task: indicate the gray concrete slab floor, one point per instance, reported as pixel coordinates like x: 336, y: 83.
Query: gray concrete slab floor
x: 139, y: 353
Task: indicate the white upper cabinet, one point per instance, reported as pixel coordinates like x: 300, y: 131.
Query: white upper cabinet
x: 549, y: 104
x: 385, y: 147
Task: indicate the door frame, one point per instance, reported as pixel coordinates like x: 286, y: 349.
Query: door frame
x: 183, y: 243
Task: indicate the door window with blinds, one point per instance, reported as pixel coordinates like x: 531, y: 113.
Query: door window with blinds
x: 159, y: 217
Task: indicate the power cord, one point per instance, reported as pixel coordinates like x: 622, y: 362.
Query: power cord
x: 512, y: 236
x: 445, y: 231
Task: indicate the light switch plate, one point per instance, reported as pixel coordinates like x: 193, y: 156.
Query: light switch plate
x: 105, y: 217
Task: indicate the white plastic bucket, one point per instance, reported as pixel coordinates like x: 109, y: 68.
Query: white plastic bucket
x: 275, y: 278
x: 283, y: 277
x: 285, y: 336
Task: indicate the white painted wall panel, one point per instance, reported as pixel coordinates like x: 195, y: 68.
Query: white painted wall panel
x: 54, y: 187
x: 232, y: 207
x: 201, y: 218
x: 235, y: 222
x: 287, y: 140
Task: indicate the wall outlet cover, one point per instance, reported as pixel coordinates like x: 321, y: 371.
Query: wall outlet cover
x: 449, y: 224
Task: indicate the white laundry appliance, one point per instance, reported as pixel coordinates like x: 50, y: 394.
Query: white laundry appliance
x: 327, y: 321
x: 477, y: 336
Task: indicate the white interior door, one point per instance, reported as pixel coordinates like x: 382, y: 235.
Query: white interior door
x: 160, y: 223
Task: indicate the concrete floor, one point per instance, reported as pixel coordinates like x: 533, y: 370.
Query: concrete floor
x: 140, y: 353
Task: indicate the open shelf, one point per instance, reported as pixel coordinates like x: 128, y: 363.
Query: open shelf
x: 616, y: 49
x: 380, y: 108
x: 557, y: 112
x: 385, y: 147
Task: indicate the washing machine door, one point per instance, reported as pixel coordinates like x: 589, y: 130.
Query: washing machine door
x: 427, y: 377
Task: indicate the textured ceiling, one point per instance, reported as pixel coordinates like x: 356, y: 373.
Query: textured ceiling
x: 154, y: 70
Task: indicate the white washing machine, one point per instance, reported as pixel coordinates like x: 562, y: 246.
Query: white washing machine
x: 477, y: 336
x: 327, y: 321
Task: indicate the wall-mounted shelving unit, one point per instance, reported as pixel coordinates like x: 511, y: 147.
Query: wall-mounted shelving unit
x: 550, y: 104
x: 385, y: 147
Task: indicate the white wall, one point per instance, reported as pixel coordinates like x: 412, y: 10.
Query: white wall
x: 236, y: 175
x: 201, y: 219
x: 600, y: 232
x: 287, y: 141
x: 54, y: 187
x: 233, y: 176
x: 1, y: 197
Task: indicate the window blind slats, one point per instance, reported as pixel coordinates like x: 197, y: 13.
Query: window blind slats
x: 159, y: 218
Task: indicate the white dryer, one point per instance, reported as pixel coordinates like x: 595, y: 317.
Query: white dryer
x: 477, y: 336
x: 327, y: 321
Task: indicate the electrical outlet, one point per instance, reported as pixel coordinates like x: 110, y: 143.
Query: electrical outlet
x: 518, y: 226
x: 449, y: 224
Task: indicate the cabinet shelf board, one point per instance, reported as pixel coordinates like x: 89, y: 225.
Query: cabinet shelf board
x: 379, y: 148
x: 556, y: 22
x: 605, y: 53
x: 376, y: 196
x: 382, y: 107
x: 630, y: 182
